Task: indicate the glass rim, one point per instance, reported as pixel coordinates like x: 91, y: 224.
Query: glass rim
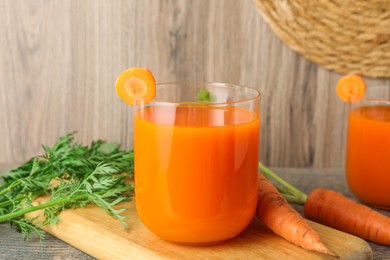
x: 376, y: 100
x: 371, y: 99
x: 257, y: 94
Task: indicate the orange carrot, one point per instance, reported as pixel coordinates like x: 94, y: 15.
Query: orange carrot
x: 351, y: 88
x: 136, y: 83
x: 333, y: 209
x: 275, y: 212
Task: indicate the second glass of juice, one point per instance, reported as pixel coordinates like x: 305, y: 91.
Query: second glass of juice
x: 196, y: 157
x: 368, y: 148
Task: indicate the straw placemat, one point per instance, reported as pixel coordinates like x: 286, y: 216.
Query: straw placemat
x: 341, y: 35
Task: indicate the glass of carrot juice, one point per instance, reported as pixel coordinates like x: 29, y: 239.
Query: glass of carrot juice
x: 368, y: 148
x: 196, y: 158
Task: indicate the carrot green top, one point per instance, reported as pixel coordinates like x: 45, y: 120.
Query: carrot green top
x: 351, y: 88
x: 135, y: 83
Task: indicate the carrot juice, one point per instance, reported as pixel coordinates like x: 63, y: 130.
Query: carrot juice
x: 368, y: 154
x: 195, y: 171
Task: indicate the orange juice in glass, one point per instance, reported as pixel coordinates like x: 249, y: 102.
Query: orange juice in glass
x: 368, y: 148
x: 196, y: 162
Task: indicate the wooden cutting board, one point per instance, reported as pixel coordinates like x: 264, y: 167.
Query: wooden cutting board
x: 92, y: 231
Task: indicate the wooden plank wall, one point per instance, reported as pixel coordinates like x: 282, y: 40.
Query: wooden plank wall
x: 59, y: 61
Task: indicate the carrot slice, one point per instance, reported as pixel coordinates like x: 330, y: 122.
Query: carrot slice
x: 136, y: 83
x: 351, y: 88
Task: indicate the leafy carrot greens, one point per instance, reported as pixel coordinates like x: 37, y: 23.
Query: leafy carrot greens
x: 71, y: 175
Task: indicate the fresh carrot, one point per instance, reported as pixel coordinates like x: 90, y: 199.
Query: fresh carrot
x: 275, y: 212
x: 351, y: 88
x: 333, y: 209
x: 136, y: 83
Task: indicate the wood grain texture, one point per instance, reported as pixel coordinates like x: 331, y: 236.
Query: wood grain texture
x: 94, y: 232
x: 59, y: 61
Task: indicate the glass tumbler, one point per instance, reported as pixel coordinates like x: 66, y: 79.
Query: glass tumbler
x: 196, y: 148
x: 368, y: 148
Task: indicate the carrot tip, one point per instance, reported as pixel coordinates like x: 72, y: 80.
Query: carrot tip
x: 272, y: 210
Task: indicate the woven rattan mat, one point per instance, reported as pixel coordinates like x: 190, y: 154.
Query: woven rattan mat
x: 342, y: 35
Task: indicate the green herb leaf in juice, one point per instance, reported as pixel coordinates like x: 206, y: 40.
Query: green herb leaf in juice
x: 205, y: 96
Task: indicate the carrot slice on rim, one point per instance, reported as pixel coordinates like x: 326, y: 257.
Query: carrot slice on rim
x: 351, y: 88
x: 135, y: 83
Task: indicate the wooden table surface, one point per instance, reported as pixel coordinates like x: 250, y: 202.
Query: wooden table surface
x: 12, y: 245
